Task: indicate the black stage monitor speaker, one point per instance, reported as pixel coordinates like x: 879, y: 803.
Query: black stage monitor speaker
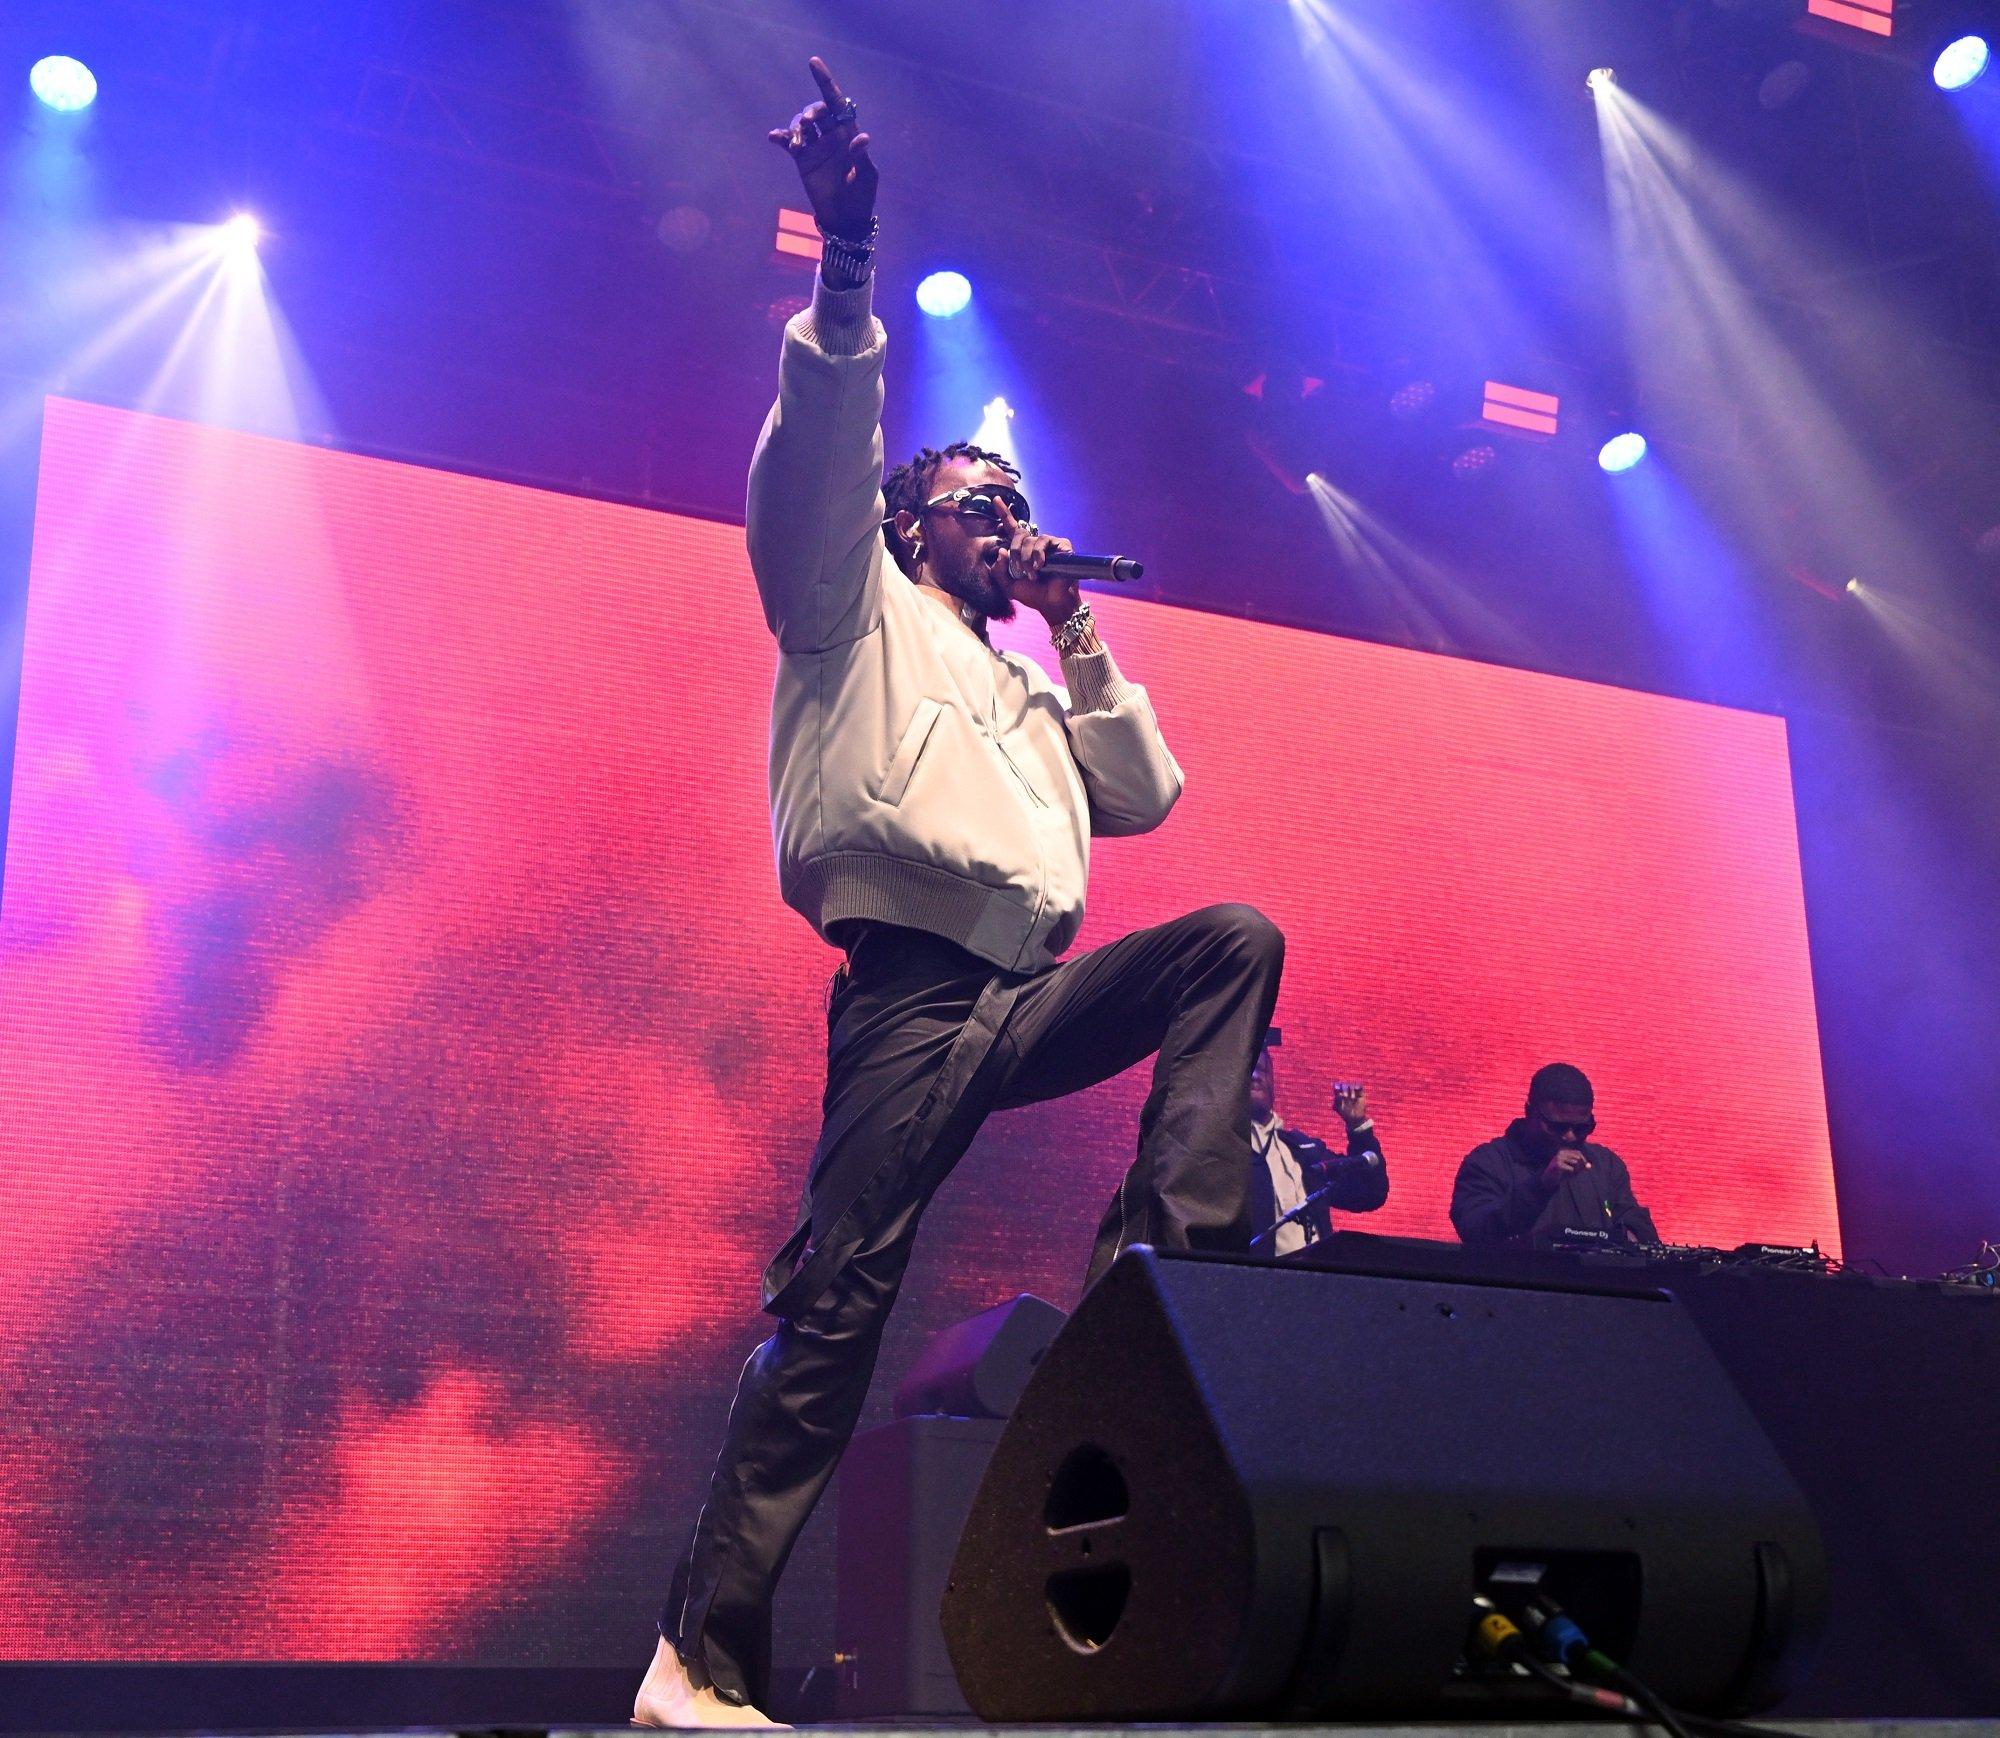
x: 977, y: 1368
x: 1241, y: 1489
x: 904, y: 1492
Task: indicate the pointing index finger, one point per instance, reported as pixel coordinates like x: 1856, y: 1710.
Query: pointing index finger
x: 824, y: 79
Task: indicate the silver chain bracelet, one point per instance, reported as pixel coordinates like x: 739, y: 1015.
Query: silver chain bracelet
x: 1073, y: 630
x: 848, y: 261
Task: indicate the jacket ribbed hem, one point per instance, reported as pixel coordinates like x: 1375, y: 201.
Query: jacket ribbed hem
x: 996, y: 923
x: 1094, y: 682
x: 839, y: 322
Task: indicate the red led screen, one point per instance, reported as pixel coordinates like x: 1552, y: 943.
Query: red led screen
x: 406, y: 1064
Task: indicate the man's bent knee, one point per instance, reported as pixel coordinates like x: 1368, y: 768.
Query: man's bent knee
x: 1247, y: 932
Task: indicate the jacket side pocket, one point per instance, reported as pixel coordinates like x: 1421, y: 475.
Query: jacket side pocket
x: 897, y: 779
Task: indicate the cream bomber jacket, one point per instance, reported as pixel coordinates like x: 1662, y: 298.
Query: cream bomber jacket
x: 947, y: 787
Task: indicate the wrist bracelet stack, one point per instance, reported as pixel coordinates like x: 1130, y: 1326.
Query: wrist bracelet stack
x: 1073, y: 630
x: 845, y: 263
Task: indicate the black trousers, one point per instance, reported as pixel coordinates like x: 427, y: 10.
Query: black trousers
x: 924, y: 1041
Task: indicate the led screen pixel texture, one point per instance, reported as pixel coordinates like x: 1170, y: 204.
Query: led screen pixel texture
x: 406, y: 1063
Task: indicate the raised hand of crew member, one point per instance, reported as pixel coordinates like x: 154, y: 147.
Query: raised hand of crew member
x: 1023, y: 550
x: 831, y: 152
x: 1559, y: 1167
x: 1350, y: 1099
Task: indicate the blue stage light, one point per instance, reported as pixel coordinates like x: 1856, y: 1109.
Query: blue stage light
x: 1621, y: 452
x: 1960, y: 62
x: 944, y: 294
x: 63, y: 84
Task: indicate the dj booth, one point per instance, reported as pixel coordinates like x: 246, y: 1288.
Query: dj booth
x: 1882, y: 1398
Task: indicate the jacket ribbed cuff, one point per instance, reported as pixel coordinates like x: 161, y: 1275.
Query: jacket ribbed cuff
x: 840, y: 322
x: 1094, y: 683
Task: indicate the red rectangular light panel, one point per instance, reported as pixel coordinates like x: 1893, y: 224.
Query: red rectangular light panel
x: 1521, y: 407
x: 1877, y: 17
x: 798, y: 235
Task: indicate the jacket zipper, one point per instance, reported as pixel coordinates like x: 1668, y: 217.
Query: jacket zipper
x: 1034, y: 796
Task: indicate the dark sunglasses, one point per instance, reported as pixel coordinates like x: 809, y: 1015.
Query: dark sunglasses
x: 1576, y: 1131
x: 980, y: 501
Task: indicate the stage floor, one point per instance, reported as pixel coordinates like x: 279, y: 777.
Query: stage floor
x: 1565, y: 1729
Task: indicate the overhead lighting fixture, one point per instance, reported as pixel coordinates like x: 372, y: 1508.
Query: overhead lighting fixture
x: 684, y: 229
x: 1475, y: 461
x: 944, y: 294
x: 1519, y: 407
x: 1412, y: 399
x: 1601, y: 78
x: 798, y: 236
x: 1621, y: 452
x: 63, y: 83
x: 1877, y: 17
x: 1960, y: 62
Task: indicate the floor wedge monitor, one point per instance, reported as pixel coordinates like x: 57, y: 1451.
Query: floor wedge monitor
x: 1237, y: 1489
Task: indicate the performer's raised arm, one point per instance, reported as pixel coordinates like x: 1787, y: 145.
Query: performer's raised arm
x: 815, y: 482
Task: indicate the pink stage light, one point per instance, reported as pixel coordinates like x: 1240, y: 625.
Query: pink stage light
x: 1519, y: 407
x: 1877, y: 17
x: 798, y: 236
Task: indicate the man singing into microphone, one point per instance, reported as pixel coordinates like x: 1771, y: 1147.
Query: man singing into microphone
x: 1545, y: 1175
x: 933, y: 802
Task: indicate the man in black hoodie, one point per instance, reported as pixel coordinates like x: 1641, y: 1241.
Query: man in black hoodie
x: 1545, y: 1176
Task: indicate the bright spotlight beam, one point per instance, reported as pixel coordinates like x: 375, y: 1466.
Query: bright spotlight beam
x: 63, y: 83
x: 944, y: 294
x: 1959, y: 63
x: 996, y: 428
x: 1694, y: 241
x: 1621, y: 452
x: 1429, y: 603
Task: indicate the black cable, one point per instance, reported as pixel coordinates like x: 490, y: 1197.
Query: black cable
x: 1603, y: 1666
x: 1554, y: 1629
x: 1496, y: 1635
x: 1574, y: 1692
x: 1736, y: 1728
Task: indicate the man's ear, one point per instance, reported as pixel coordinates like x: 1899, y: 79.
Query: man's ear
x: 906, y: 524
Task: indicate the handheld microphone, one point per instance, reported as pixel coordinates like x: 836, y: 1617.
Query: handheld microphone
x: 1074, y: 566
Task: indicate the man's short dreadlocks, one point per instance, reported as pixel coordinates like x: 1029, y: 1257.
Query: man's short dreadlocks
x: 909, y: 486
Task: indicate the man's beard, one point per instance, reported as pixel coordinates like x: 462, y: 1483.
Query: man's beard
x: 979, y: 585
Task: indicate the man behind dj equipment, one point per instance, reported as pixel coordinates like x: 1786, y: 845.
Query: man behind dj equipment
x: 1545, y: 1176
x: 1287, y: 1165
